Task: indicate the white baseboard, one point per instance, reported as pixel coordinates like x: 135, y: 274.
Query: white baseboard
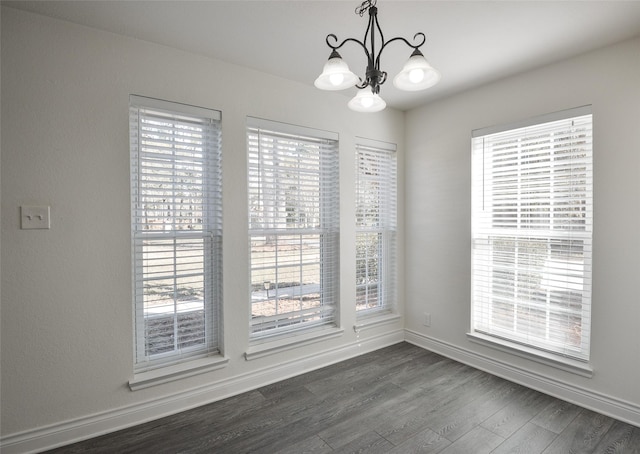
x: 55, y: 435
x: 598, y: 402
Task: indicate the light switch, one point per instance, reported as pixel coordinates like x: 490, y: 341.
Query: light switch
x: 34, y: 218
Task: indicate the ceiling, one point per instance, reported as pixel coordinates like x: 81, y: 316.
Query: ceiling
x: 470, y: 42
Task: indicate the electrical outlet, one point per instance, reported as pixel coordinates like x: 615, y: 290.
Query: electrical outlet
x: 427, y: 319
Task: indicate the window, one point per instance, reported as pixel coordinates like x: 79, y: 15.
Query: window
x: 293, y: 227
x: 375, y: 227
x: 532, y: 223
x: 176, y: 231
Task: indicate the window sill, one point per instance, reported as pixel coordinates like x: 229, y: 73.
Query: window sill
x: 176, y: 372
x: 373, y: 321
x: 566, y: 364
x: 270, y: 347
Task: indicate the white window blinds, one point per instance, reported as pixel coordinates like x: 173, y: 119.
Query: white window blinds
x: 532, y: 225
x: 176, y: 214
x: 293, y: 227
x: 376, y: 200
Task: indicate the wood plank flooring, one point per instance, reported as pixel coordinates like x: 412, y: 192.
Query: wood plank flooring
x: 400, y: 400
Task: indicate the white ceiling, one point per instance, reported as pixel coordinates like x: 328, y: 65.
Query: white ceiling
x: 470, y: 42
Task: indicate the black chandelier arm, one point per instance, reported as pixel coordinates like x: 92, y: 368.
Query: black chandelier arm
x: 363, y: 83
x: 400, y: 38
x: 335, y: 38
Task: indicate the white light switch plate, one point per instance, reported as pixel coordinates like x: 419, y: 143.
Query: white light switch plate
x: 34, y: 218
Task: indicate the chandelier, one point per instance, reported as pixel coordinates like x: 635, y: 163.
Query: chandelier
x: 417, y: 73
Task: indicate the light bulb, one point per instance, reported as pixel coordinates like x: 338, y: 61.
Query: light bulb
x: 367, y: 102
x: 336, y: 78
x: 416, y: 75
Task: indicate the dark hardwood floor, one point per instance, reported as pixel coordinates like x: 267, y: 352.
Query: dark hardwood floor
x: 401, y: 399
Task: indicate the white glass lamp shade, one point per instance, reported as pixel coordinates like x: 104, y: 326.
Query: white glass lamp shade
x: 417, y: 74
x: 366, y: 101
x: 335, y: 75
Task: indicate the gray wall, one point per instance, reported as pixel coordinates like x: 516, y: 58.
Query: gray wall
x: 438, y: 223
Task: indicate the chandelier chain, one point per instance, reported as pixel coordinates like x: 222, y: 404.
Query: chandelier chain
x: 364, y: 7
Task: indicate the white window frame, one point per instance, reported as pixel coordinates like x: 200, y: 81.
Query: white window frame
x: 522, y: 197
x: 376, y: 228
x: 175, y: 150
x: 306, y: 209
